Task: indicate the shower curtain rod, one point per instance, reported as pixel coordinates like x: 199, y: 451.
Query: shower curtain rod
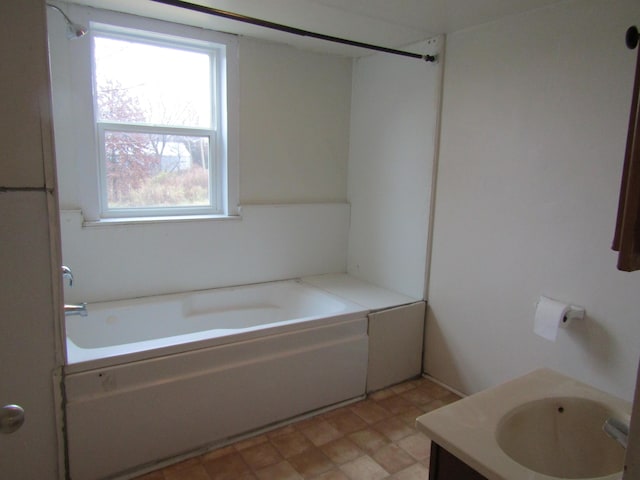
x: 292, y: 30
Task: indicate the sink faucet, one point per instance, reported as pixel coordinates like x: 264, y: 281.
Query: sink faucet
x: 67, y: 275
x: 617, y: 429
x: 80, y: 309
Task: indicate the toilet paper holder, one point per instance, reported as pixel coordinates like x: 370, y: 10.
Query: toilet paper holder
x: 552, y: 315
x: 573, y: 313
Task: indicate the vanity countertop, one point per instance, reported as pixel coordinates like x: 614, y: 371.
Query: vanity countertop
x: 467, y: 428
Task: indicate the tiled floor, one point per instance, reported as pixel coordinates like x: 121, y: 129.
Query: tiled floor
x: 369, y: 440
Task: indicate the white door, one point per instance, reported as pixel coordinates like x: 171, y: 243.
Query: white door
x: 29, y: 261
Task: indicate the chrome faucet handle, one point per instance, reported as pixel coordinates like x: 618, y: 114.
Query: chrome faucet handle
x: 66, y: 274
x: 617, y: 429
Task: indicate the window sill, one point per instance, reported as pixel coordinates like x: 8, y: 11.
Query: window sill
x: 105, y: 222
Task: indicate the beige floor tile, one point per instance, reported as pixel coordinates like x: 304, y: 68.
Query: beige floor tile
x: 394, y: 429
x: 418, y: 382
x: 260, y: 456
x: 321, y: 433
x: 191, y: 462
x: 308, y: 422
x: 229, y: 467
x: 246, y: 476
x: 196, y: 472
x: 416, y: 445
x: 250, y: 442
x: 414, y: 472
x: 311, y: 463
x: 435, y: 390
x: 402, y: 387
x: 382, y: 394
x: 333, y: 413
x: 364, y: 468
x: 193, y: 473
x: 220, y: 452
x: 279, y: 471
x: 409, y: 416
x: 341, y: 451
x: 281, y: 431
x: 396, y: 404
x: 332, y: 475
x: 368, y: 440
x: 157, y: 475
x: 418, y: 396
x: 370, y: 411
x: 290, y: 444
x: 392, y: 458
x: 432, y: 405
x: 346, y: 422
x: 450, y: 398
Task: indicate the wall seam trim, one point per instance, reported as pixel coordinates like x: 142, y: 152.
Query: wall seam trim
x: 26, y: 189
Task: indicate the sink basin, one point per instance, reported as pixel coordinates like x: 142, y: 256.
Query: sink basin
x: 561, y: 437
x: 540, y: 426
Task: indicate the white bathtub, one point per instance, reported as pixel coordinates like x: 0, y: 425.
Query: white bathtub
x: 151, y: 379
x: 126, y: 330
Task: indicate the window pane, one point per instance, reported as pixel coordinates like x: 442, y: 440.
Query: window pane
x: 138, y: 82
x: 149, y: 170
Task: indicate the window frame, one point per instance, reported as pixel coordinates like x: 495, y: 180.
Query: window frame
x: 88, y: 145
x: 215, y: 52
x: 214, y: 177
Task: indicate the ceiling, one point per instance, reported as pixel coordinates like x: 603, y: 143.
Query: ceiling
x: 389, y: 23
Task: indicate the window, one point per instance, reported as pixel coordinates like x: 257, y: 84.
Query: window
x: 157, y: 116
x: 153, y: 115
x: 157, y: 109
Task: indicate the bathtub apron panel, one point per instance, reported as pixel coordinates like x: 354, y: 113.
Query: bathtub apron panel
x: 123, y: 417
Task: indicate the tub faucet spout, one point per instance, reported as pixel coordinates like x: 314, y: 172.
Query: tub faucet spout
x: 80, y: 309
x: 617, y: 429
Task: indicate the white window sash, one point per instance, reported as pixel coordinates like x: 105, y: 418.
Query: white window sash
x: 215, y: 206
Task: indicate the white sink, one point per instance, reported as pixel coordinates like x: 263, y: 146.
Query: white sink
x: 561, y: 437
x: 541, y: 426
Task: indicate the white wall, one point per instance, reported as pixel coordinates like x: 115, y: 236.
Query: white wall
x: 270, y: 242
x: 393, y: 130
x: 534, y: 120
x: 294, y: 131
x: 294, y: 124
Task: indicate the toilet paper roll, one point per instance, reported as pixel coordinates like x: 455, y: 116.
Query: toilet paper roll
x: 549, y: 317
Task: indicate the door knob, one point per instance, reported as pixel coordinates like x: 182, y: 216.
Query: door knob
x: 11, y: 418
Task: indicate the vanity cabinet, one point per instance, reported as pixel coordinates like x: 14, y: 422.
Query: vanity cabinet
x: 445, y: 466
